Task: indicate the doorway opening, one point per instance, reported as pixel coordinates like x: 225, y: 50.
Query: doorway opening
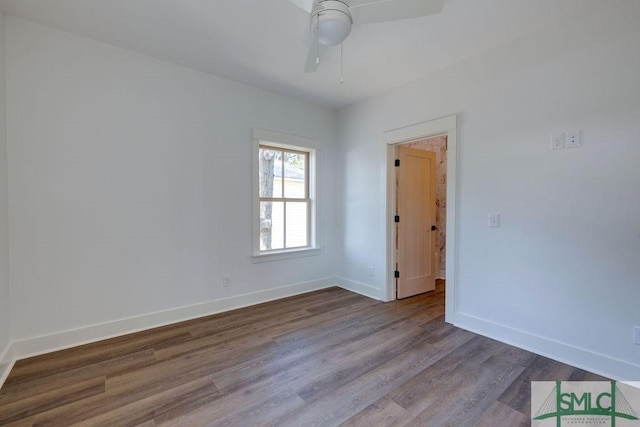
x: 421, y: 200
x: 437, y: 130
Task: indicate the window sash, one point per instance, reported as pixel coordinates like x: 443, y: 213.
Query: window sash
x: 289, y: 200
x: 306, y: 155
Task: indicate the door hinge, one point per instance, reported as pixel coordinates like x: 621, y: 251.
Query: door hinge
x: 397, y: 162
x: 397, y: 218
x: 396, y: 274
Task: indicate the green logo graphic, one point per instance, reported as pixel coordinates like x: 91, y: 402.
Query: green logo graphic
x: 606, y: 403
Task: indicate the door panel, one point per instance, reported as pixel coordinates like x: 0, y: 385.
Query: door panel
x: 416, y: 207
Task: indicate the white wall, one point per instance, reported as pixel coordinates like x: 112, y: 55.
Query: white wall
x: 4, y: 231
x: 562, y: 274
x: 130, y: 183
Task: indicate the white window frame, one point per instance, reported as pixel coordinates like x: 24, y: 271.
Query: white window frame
x: 286, y: 142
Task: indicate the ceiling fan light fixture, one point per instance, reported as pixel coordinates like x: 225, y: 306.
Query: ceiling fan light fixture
x: 331, y: 22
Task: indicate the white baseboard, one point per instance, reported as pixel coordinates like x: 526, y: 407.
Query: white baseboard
x: 359, y: 288
x: 71, y: 338
x: 6, y: 363
x: 600, y: 364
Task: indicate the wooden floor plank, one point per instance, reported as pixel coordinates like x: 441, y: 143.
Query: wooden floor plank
x: 518, y: 395
x: 461, y: 402
x: 91, y: 354
x: 383, y: 413
x: 25, y: 422
x: 360, y: 361
x: 202, y: 363
x: 44, y: 384
x: 144, y: 410
x: 501, y: 415
x: 353, y: 397
x: 268, y: 409
x: 26, y: 408
x: 230, y: 319
x: 324, y: 358
x: 315, y: 353
x: 321, y: 323
x: 107, y: 402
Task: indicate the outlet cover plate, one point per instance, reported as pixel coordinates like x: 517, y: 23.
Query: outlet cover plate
x: 573, y: 139
x: 494, y: 221
x: 636, y: 335
x: 558, y: 141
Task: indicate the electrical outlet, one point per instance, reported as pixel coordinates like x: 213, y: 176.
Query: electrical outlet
x: 372, y: 271
x: 636, y: 335
x: 494, y: 220
x: 557, y: 141
x: 573, y: 139
x: 226, y: 280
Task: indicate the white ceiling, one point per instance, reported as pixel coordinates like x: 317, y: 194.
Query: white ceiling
x: 265, y: 42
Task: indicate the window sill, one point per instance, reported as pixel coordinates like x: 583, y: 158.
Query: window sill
x: 281, y: 255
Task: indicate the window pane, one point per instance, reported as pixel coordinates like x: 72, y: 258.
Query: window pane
x: 296, y: 223
x: 270, y: 173
x: 271, y: 225
x: 295, y: 165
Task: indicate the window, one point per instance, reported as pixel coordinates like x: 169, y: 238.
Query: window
x: 284, y: 207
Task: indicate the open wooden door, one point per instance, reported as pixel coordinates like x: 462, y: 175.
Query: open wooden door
x: 416, y: 218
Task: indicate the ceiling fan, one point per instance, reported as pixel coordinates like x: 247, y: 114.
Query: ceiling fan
x: 331, y: 20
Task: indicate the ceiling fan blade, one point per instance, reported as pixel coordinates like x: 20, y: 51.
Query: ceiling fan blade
x: 316, y: 53
x: 394, y: 10
x: 305, y: 5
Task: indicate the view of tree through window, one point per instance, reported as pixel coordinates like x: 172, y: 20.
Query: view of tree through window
x: 284, y: 198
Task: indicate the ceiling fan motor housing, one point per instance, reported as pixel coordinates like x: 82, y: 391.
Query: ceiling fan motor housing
x: 331, y: 22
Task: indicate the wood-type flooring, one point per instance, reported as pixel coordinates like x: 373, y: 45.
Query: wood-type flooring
x: 325, y: 358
